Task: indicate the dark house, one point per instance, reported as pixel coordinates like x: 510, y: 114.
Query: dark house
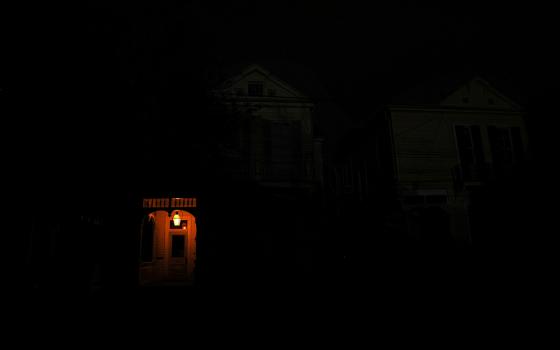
x: 239, y: 204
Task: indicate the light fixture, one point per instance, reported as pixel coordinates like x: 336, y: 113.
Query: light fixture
x: 184, y: 225
x: 176, y: 219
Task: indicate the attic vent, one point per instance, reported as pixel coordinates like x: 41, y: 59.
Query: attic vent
x: 272, y: 92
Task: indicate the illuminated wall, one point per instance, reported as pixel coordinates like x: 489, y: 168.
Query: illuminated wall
x: 163, y: 267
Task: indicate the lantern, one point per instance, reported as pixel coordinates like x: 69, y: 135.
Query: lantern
x: 176, y: 219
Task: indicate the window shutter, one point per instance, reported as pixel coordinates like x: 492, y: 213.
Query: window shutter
x: 517, y: 142
x: 464, y: 144
x: 477, y: 144
x: 494, y: 148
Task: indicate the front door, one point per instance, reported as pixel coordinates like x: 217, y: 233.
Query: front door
x: 178, y: 256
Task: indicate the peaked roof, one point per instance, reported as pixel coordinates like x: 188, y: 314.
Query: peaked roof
x: 434, y: 90
x: 293, y: 74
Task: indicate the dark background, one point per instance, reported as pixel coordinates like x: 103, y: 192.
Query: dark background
x: 79, y: 78
x: 101, y: 48
x: 96, y: 68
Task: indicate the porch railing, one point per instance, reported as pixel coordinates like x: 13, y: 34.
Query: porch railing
x: 169, y: 203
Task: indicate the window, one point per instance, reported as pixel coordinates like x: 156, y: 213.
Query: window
x: 517, y: 143
x: 347, y: 178
x: 506, y: 144
x: 282, y: 144
x: 471, y: 155
x: 255, y: 88
x: 469, y: 143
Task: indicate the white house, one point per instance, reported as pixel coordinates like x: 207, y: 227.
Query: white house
x: 448, y: 138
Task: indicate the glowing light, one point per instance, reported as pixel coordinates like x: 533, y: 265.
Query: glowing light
x: 184, y: 225
x: 176, y: 219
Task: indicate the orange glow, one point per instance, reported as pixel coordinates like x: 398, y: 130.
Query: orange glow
x: 166, y: 267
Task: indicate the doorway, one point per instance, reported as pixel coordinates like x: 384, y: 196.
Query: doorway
x: 178, y: 260
x: 168, y: 247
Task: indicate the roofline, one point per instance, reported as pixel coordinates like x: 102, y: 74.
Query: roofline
x: 267, y: 99
x: 497, y: 92
x: 432, y: 108
x: 254, y: 66
x: 485, y: 82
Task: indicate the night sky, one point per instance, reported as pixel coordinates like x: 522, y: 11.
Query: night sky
x: 356, y: 48
x: 343, y: 39
x: 95, y: 67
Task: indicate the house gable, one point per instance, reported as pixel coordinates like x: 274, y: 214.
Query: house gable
x: 271, y: 85
x: 479, y: 94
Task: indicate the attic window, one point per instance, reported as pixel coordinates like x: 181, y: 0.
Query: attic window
x: 255, y: 88
x: 271, y: 92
